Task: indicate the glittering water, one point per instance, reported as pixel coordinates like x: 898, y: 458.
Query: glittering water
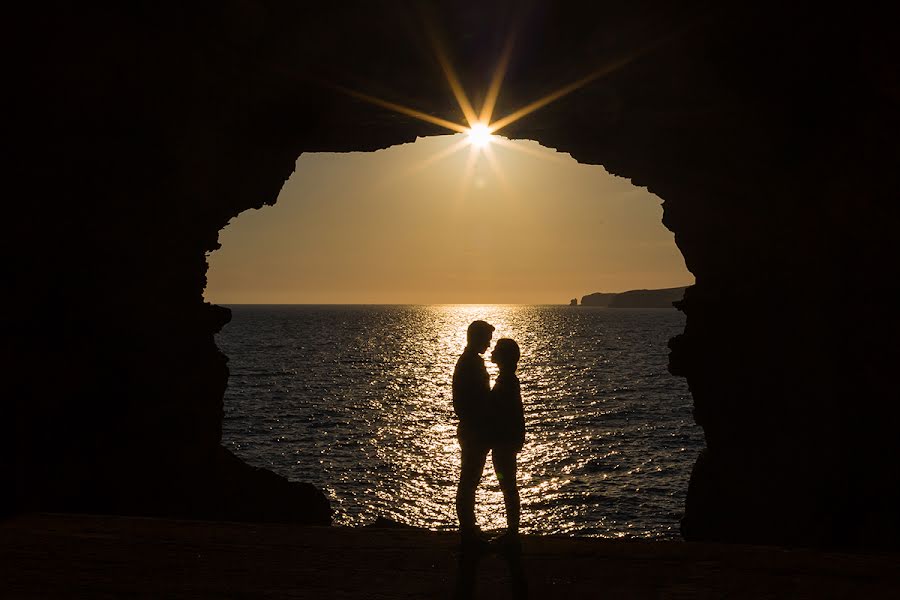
x: 356, y: 399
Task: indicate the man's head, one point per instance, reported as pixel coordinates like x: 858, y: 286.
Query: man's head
x: 506, y: 354
x: 478, y: 335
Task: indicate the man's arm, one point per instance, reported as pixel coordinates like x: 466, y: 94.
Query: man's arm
x: 471, y: 386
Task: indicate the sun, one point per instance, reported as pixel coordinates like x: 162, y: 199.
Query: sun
x: 479, y: 135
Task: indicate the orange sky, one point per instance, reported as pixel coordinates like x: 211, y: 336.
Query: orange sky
x: 529, y: 226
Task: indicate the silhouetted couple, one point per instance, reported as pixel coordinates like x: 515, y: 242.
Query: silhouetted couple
x: 490, y: 420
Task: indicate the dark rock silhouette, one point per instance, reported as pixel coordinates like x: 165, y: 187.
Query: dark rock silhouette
x: 663, y: 298
x: 648, y: 298
x: 597, y: 299
x: 573, y: 302
x: 769, y: 129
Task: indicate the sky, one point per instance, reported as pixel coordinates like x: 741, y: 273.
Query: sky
x: 442, y: 221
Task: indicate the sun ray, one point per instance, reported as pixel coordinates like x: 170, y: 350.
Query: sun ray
x: 405, y: 110
x: 437, y: 156
x: 466, y: 175
x: 575, y: 85
x: 490, y: 100
x: 498, y: 172
x: 420, y: 165
x: 453, y: 80
x: 556, y: 95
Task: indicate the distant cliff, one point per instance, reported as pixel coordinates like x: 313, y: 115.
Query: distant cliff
x: 635, y: 298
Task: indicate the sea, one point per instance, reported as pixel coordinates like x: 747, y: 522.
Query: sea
x: 356, y: 400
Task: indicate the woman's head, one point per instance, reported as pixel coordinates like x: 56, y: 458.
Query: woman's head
x: 506, y: 353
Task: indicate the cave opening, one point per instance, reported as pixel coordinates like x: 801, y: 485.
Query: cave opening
x: 146, y: 132
x: 350, y: 298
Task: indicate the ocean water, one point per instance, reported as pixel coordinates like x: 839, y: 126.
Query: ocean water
x: 356, y: 400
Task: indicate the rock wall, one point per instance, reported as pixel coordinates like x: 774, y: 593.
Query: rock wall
x: 769, y: 130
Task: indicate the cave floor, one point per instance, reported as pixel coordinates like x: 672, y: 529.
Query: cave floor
x: 51, y: 555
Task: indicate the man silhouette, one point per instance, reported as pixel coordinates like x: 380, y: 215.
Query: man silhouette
x: 471, y: 391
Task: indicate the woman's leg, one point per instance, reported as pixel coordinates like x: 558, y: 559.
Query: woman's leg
x: 505, y: 467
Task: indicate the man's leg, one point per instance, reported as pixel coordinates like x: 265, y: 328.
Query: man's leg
x: 473, y: 458
x: 505, y: 467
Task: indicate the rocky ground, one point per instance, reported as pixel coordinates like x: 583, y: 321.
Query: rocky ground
x: 51, y: 556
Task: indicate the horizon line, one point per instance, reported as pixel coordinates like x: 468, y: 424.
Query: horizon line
x: 389, y: 303
x: 226, y: 304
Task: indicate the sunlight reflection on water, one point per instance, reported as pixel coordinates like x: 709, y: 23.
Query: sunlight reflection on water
x: 356, y: 399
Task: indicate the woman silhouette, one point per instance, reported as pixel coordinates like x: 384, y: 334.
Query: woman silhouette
x: 507, y: 421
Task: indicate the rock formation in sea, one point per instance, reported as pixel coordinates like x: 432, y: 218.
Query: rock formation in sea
x: 769, y: 130
x: 662, y: 298
x: 598, y: 299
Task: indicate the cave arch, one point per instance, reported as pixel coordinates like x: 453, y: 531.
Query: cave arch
x: 770, y: 133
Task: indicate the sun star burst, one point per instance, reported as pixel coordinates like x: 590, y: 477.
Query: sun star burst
x: 481, y: 126
x: 479, y: 135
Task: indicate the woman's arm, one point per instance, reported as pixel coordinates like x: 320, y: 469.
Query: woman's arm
x: 520, y: 418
